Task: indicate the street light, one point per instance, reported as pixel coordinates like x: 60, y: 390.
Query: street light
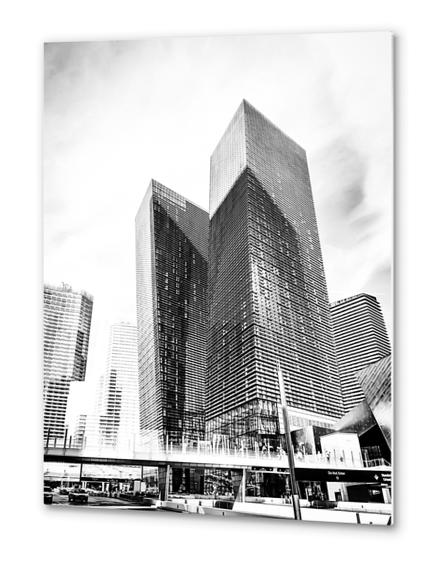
x: 293, y: 483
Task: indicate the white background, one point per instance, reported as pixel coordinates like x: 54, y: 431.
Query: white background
x: 34, y: 532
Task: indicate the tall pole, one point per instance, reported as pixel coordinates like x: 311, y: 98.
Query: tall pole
x: 291, y: 457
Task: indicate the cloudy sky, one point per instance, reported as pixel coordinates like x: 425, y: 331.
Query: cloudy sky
x: 120, y: 113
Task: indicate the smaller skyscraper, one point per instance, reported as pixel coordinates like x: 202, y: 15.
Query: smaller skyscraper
x: 67, y: 319
x: 172, y: 247
x: 118, y: 399
x: 360, y: 339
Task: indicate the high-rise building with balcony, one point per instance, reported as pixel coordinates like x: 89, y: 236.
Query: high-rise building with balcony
x: 171, y: 261
x: 118, y: 392
x: 67, y: 319
x: 268, y: 298
x: 360, y: 339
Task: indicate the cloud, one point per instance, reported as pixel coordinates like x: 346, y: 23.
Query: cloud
x: 341, y: 165
x: 378, y: 284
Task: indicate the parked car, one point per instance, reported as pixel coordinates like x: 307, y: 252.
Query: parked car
x: 48, y: 495
x: 64, y: 491
x: 78, y: 495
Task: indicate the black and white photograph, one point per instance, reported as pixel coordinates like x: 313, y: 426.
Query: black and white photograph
x: 217, y: 264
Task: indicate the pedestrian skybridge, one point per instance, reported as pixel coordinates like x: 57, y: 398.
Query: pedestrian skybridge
x: 208, y: 457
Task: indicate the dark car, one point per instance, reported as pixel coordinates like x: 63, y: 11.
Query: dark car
x: 78, y: 495
x: 323, y: 504
x: 48, y: 495
x: 223, y: 504
x: 63, y: 492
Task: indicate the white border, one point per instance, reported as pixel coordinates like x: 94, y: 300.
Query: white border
x: 34, y: 532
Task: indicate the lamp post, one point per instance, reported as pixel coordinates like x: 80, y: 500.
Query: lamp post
x: 293, y: 483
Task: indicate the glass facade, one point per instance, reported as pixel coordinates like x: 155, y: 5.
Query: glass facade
x: 268, y: 298
x: 372, y: 419
x: 241, y: 426
x: 360, y: 339
x: 376, y: 382
x: 172, y: 268
x: 223, y: 483
x: 67, y: 319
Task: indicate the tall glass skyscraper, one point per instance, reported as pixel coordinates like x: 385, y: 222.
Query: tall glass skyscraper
x: 360, y: 339
x: 172, y: 268
x: 118, y: 393
x: 67, y: 319
x: 268, y: 299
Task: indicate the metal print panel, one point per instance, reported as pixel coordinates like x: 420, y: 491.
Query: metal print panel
x: 219, y: 344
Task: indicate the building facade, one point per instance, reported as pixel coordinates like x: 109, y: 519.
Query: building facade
x: 172, y: 268
x: 67, y: 320
x: 372, y: 419
x: 268, y: 298
x: 360, y: 339
x: 376, y: 382
x: 118, y: 392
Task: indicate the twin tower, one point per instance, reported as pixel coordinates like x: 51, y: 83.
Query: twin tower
x: 224, y: 297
